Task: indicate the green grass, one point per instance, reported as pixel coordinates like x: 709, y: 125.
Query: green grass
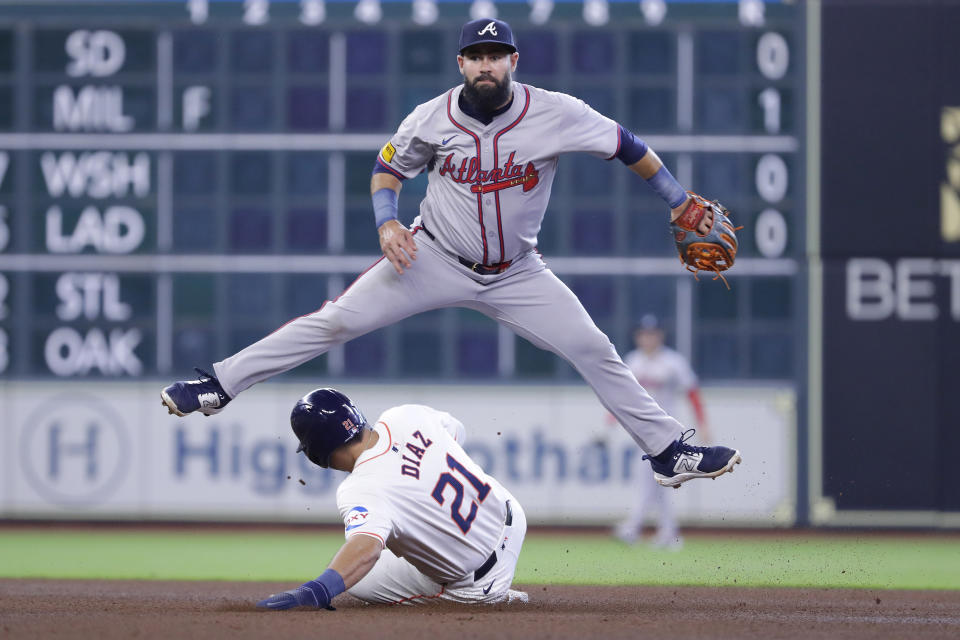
x: 845, y: 561
x: 820, y: 561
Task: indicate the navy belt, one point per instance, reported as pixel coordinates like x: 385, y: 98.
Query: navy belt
x: 476, y: 267
x: 492, y: 560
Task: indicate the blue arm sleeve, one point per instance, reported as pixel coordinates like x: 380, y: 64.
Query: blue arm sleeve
x: 631, y: 148
x: 662, y: 182
x: 385, y: 205
x: 667, y: 187
x: 379, y: 167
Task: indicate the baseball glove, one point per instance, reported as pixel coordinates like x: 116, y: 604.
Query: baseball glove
x: 714, y: 251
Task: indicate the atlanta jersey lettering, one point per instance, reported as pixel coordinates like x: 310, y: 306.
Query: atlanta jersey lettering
x: 418, y: 492
x: 489, y: 185
x: 666, y: 375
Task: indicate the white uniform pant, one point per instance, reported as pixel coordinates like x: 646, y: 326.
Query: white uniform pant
x: 528, y: 298
x: 393, y: 580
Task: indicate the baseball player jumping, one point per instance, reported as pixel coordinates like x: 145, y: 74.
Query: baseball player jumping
x: 423, y: 522
x: 490, y: 148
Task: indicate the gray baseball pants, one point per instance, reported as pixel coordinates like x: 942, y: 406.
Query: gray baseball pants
x: 528, y: 298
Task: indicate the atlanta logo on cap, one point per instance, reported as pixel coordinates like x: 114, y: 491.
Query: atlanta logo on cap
x: 486, y: 30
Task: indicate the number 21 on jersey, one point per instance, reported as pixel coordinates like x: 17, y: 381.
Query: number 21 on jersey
x: 447, y: 479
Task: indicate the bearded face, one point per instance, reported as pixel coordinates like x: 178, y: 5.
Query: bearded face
x: 486, y: 69
x: 486, y: 92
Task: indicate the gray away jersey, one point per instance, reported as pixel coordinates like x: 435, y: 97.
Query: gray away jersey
x: 489, y: 185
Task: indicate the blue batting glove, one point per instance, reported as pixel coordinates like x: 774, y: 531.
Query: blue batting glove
x: 279, y: 601
x: 309, y: 594
x: 316, y: 593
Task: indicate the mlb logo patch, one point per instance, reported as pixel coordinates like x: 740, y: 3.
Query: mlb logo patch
x: 356, y: 518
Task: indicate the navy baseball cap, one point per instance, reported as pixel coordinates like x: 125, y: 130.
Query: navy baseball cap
x: 649, y: 322
x: 486, y: 30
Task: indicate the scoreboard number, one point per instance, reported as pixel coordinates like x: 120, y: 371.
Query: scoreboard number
x: 256, y: 12
x: 772, y: 175
x: 312, y: 12
x: 770, y: 227
x: 199, y: 10
x: 654, y: 11
x: 773, y: 55
x: 770, y: 231
x: 769, y: 100
x: 540, y: 10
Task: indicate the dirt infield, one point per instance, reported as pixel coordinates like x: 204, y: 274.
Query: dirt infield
x: 139, y: 609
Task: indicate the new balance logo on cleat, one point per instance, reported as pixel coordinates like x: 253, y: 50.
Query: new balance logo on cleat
x: 203, y: 394
x: 209, y: 401
x: 688, y: 463
x: 681, y: 462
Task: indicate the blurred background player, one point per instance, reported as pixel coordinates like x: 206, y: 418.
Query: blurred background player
x: 423, y: 522
x: 667, y: 376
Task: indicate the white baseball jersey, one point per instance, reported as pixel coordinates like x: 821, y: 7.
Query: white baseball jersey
x: 666, y: 375
x: 489, y: 185
x: 422, y: 497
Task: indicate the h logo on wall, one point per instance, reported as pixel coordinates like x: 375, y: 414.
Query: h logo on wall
x: 74, y: 451
x: 950, y: 190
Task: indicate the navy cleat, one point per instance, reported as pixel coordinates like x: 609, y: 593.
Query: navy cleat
x: 681, y: 462
x: 204, y: 395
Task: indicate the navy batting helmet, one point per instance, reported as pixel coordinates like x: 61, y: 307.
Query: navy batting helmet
x: 325, y: 420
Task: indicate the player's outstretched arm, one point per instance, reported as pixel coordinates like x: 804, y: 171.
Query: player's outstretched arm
x: 396, y: 241
x: 651, y: 169
x: 704, y: 236
x: 354, y: 560
x: 356, y: 557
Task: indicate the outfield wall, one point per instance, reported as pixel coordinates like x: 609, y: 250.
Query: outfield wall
x: 109, y: 450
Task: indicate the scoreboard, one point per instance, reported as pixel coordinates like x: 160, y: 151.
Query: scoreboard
x: 178, y: 178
